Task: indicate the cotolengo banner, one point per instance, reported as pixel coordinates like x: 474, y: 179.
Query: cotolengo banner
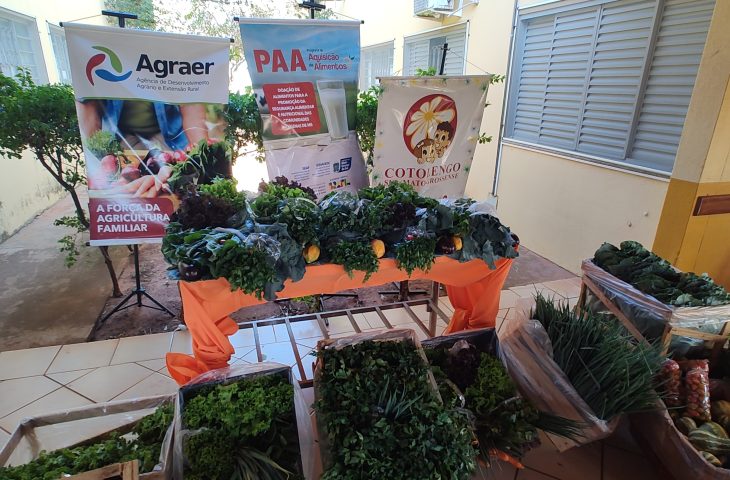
x: 426, y: 132
x: 147, y: 103
x: 304, y: 75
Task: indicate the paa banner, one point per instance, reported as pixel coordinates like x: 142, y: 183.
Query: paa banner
x: 148, y: 104
x: 304, y: 75
x: 426, y: 131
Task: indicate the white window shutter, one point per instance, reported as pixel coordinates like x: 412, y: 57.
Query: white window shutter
x: 612, y: 81
x: 673, y: 70
x: 570, y: 57
x: 417, y: 50
x: 20, y: 47
x: 382, y: 63
x: 532, y: 79
x: 60, y: 52
x: 615, y: 78
x: 457, y: 52
x: 416, y: 56
x: 375, y: 61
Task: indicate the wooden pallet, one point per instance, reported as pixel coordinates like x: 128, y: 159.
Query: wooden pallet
x: 322, y: 318
x: 118, y: 471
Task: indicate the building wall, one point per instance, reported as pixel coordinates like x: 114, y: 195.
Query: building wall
x: 702, y: 243
x: 490, y: 24
x: 564, y: 209
x: 31, y: 189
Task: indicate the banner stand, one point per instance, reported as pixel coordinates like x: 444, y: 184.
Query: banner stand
x: 138, y: 289
x: 139, y: 292
x: 317, y: 146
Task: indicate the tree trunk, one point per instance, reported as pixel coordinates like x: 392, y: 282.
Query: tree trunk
x: 117, y: 292
x: 80, y: 213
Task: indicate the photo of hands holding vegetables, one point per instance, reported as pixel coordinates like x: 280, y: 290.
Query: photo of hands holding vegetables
x: 139, y: 149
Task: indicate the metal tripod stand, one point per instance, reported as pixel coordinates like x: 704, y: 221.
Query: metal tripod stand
x: 138, y: 292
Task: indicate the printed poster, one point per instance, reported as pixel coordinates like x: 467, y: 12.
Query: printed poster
x: 426, y: 131
x: 148, y: 103
x: 304, y: 75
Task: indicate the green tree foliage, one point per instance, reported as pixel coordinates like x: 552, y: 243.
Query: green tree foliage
x: 145, y: 10
x: 367, y: 113
x: 243, y: 127
x: 42, y: 119
x: 212, y: 18
x: 426, y: 72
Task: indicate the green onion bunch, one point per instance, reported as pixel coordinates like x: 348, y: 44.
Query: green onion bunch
x: 612, y: 372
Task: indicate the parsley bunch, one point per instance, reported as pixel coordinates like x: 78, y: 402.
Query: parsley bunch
x: 417, y: 252
x: 247, y: 268
x: 383, y: 420
x: 501, y: 419
x: 355, y: 255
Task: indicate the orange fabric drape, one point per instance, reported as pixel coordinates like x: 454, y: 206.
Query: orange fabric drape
x: 472, y: 287
x: 476, y: 305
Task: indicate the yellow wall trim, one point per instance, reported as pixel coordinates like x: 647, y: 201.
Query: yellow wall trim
x: 676, y: 212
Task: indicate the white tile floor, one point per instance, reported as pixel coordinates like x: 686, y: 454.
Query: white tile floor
x: 41, y: 380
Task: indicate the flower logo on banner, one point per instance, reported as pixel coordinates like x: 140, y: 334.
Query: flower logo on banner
x: 98, y: 59
x: 429, y: 127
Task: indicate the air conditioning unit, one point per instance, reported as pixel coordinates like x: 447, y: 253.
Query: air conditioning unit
x: 432, y: 8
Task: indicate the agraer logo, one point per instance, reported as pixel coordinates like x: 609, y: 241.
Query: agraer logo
x: 98, y: 59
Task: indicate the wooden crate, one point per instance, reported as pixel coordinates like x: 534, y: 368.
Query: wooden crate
x: 588, y: 284
x: 118, y: 471
x: 31, y: 435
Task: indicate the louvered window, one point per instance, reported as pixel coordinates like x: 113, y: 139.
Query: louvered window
x: 610, y: 81
x: 425, y: 50
x: 20, y: 46
x: 375, y: 61
x: 58, y: 42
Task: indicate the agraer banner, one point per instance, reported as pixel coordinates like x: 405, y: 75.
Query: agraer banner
x: 148, y: 104
x: 304, y: 75
x: 426, y: 132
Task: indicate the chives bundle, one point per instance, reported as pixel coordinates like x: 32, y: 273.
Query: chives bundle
x: 611, y: 371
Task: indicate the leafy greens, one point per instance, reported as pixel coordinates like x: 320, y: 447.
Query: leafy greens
x: 654, y: 276
x: 383, y: 420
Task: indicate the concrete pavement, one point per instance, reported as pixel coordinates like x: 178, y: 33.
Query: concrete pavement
x: 42, y: 302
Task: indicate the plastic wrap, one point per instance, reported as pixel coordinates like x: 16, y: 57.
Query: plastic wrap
x: 341, y: 203
x: 83, y: 426
x: 697, y: 384
x: 485, y: 339
x: 237, y: 373
x: 658, y: 436
x: 476, y: 207
x: 650, y: 315
x: 392, y: 335
x: 526, y: 352
x: 670, y: 376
